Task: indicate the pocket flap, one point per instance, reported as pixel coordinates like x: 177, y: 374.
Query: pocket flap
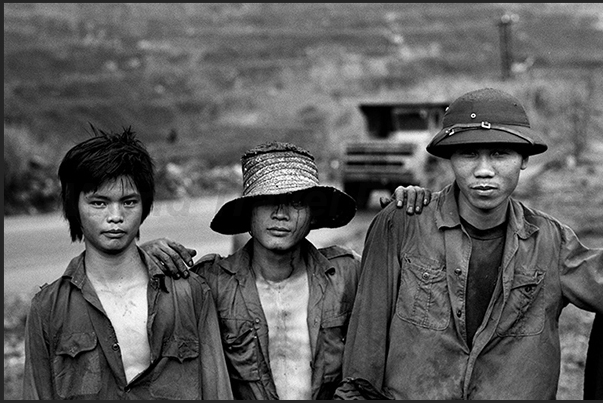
x: 181, y: 348
x: 529, y: 280
x: 76, y: 343
x: 336, y: 321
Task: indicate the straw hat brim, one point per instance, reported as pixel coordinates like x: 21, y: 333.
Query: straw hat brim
x: 331, y: 208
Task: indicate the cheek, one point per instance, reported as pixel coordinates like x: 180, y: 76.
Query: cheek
x: 255, y: 219
x: 303, y: 220
x: 461, y: 172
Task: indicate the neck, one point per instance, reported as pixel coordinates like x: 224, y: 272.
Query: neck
x: 483, y: 219
x: 274, y: 266
x: 106, y: 270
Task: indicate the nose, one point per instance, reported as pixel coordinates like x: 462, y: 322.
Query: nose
x: 115, y: 213
x: 280, y: 211
x: 484, y: 167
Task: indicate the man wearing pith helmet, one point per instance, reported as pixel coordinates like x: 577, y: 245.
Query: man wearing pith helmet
x: 463, y: 301
x: 283, y: 304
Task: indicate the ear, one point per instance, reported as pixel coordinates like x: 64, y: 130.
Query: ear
x: 524, y: 162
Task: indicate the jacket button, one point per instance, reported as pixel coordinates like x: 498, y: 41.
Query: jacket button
x: 425, y: 276
x: 459, y: 313
x: 458, y: 271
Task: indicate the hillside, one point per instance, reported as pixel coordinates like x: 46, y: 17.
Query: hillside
x: 206, y: 81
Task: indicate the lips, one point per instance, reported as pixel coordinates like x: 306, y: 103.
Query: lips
x: 114, y: 233
x: 483, y: 187
x: 278, y: 230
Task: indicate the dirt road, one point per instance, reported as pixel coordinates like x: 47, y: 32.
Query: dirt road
x: 38, y: 248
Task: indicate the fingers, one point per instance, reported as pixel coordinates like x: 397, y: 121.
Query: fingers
x: 400, y: 196
x: 384, y: 201
x: 411, y: 202
x: 427, y: 197
x: 184, y: 253
x: 168, y: 270
x: 412, y: 198
x: 170, y: 256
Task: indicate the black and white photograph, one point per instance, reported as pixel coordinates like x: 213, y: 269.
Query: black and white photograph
x: 303, y: 201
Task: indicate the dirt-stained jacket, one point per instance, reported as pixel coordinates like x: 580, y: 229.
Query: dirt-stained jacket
x: 333, y: 276
x: 72, y: 351
x: 406, y: 338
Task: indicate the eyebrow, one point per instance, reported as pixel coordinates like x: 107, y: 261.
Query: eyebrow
x: 101, y: 196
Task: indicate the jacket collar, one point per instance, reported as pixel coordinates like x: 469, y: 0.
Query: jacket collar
x: 239, y: 263
x: 76, y: 272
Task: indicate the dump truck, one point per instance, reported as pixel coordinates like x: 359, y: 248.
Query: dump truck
x: 393, y: 150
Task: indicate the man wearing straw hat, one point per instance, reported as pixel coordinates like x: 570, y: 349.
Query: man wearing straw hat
x: 463, y: 301
x: 283, y: 304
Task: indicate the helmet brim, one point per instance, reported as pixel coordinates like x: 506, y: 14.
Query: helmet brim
x: 527, y: 142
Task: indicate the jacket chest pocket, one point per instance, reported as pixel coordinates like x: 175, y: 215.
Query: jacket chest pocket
x: 179, y: 365
x: 333, y: 334
x: 76, y: 365
x: 523, y: 314
x: 241, y: 349
x: 423, y: 293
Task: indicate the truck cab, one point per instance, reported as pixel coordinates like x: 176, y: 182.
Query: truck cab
x: 393, y: 150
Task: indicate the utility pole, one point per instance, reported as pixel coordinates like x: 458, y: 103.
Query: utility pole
x: 506, y: 54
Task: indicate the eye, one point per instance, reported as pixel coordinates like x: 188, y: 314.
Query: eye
x: 500, y: 153
x: 97, y: 203
x: 131, y: 203
x: 467, y: 153
x: 297, y: 203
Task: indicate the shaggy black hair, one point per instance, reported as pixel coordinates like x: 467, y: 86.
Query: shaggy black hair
x: 102, y: 158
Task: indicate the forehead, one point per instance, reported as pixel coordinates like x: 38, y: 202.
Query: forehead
x: 486, y: 148
x: 120, y: 185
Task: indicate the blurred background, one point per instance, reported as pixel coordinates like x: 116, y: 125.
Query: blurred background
x: 201, y: 83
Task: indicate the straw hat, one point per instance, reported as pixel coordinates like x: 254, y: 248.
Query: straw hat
x: 486, y: 116
x: 278, y: 168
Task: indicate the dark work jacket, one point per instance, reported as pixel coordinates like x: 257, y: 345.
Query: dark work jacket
x: 333, y: 276
x: 407, y: 337
x: 72, y: 352
x: 593, y: 369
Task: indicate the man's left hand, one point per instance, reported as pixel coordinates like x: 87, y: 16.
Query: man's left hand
x: 173, y: 257
x: 412, y: 198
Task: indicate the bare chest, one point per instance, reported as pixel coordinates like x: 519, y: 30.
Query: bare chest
x: 286, y: 309
x: 128, y: 312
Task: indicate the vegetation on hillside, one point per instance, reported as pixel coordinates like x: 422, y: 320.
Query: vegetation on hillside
x: 200, y: 83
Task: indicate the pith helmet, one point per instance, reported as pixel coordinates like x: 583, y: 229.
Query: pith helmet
x: 277, y: 169
x: 486, y: 116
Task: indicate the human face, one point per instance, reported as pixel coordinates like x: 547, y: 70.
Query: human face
x: 486, y: 176
x: 279, y: 225
x: 111, y: 216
